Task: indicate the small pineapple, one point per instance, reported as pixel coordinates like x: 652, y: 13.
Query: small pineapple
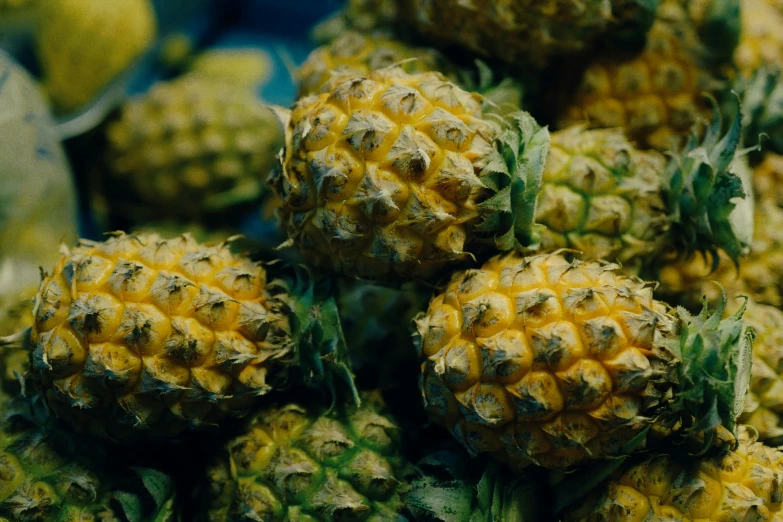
x: 294, y: 463
x: 79, y: 47
x: 53, y: 476
x: 138, y: 335
x: 541, y: 360
x: 605, y: 198
x: 742, y: 484
x: 396, y: 173
x: 192, y: 148
x: 246, y: 66
x: 656, y: 95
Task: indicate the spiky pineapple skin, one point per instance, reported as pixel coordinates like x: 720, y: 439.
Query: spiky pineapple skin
x: 380, y: 176
x: 764, y: 403
x: 543, y: 360
x: 187, y: 145
x: 745, y: 484
x: 602, y: 197
x: 78, y: 46
x: 526, y: 31
x: 655, y: 95
x: 138, y: 334
x: 299, y: 464
x: 761, y: 41
x: 354, y: 54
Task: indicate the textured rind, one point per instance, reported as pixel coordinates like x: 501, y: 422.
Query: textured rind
x: 518, y: 31
x: 764, y: 404
x: 545, y: 361
x: 16, y: 315
x: 741, y: 485
x: 79, y: 49
x: 354, y: 54
x: 602, y: 197
x: 761, y: 40
x: 298, y: 464
x: 190, y: 147
x: 143, y: 335
x: 656, y: 95
x: 388, y: 174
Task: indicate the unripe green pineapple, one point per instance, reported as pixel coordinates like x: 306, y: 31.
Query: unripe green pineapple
x: 141, y: 336
x: 85, y: 44
x: 541, y: 360
x: 53, y: 476
x: 396, y: 173
x: 298, y: 464
x: 191, y: 148
x: 742, y: 484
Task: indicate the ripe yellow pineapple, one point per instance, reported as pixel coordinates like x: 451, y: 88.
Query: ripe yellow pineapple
x: 761, y: 40
x: 246, y: 66
x: 397, y: 173
x: 523, y: 31
x: 296, y: 463
x: 656, y: 95
x: 541, y: 360
x: 141, y: 335
x: 192, y: 148
x: 742, y: 484
x: 84, y: 44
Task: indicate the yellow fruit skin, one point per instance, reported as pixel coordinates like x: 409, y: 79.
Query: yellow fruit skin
x: 541, y: 360
x: 177, y: 150
x: 354, y: 54
x: 768, y: 179
x: 143, y: 335
x: 602, y: 197
x: 761, y: 40
x: 381, y: 174
x: 657, y: 95
x: 80, y: 47
x: 741, y: 485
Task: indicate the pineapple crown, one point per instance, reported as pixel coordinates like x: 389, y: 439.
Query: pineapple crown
x: 513, y: 171
x: 450, y: 492
x: 714, y: 357
x: 704, y: 192
x: 319, y: 346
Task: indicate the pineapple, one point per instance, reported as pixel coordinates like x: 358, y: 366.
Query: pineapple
x: 52, y: 476
x: 605, y: 198
x: 764, y: 404
x: 192, y: 148
x: 354, y: 54
x: 768, y: 179
x: 296, y: 463
x: 364, y: 16
x: 396, y: 173
x: 138, y: 335
x: 245, y: 66
x: 760, y: 274
x: 656, y: 95
x: 743, y: 484
x: 541, y: 360
x: 524, y: 31
x: 79, y: 48
x: 761, y: 40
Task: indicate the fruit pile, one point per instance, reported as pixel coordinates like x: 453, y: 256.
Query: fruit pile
x: 511, y: 260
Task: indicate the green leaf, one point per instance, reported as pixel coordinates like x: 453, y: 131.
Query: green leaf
x: 158, y: 484
x: 131, y: 506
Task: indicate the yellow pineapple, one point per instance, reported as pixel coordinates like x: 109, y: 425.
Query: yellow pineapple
x: 541, y: 360
x: 761, y: 40
x: 656, y: 95
x: 85, y: 44
x: 396, y: 173
x: 141, y: 335
x: 742, y: 484
x: 245, y: 66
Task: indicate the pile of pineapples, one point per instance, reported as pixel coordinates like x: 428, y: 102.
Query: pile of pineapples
x: 519, y: 260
